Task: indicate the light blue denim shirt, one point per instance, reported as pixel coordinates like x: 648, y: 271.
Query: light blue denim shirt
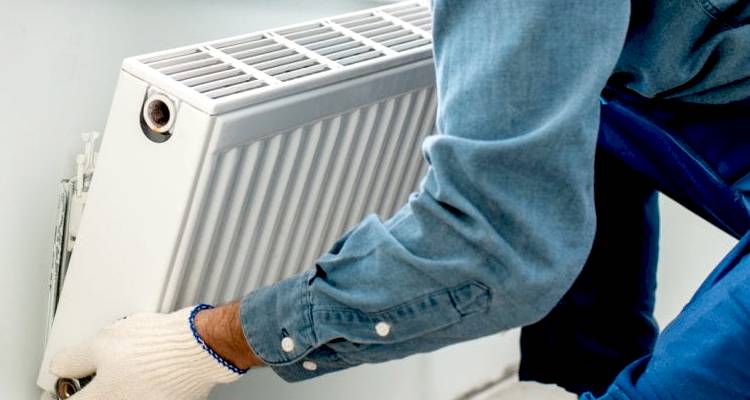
x: 505, y: 218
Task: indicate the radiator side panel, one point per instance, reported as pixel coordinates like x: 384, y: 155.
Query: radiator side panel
x: 132, y: 221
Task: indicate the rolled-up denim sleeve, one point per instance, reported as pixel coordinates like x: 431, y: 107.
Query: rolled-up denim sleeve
x: 504, y: 219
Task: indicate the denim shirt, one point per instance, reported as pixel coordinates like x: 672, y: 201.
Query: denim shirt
x: 504, y: 219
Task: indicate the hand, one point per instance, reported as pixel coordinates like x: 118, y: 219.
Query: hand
x: 147, y: 357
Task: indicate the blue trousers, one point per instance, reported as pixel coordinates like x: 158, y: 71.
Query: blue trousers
x: 601, y: 339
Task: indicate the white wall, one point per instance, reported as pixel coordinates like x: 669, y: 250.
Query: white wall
x: 689, y: 249
x: 58, y: 68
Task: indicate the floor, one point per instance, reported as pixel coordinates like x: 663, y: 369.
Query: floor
x: 514, y: 390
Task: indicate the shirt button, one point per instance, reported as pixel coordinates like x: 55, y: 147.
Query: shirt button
x: 309, y: 365
x: 383, y: 329
x: 287, y: 344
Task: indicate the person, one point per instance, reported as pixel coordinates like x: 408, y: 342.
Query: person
x: 503, y: 231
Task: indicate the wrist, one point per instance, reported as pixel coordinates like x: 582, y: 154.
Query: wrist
x: 220, y: 329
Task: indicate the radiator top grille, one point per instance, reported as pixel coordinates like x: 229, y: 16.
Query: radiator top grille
x: 225, y: 75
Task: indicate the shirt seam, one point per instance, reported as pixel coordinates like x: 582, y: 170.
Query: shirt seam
x: 716, y: 14
x: 317, y: 309
x: 309, y: 311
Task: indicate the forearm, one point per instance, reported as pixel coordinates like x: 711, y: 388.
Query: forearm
x: 221, y: 330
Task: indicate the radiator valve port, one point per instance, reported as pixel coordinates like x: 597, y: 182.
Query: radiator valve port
x: 65, y: 388
x: 158, y: 117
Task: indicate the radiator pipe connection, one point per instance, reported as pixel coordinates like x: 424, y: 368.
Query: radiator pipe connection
x: 67, y: 387
x: 158, y: 115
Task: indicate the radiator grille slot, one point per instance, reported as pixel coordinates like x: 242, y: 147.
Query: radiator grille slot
x: 271, y: 207
x: 413, y: 14
x: 235, y: 67
x: 274, y: 59
x: 208, y: 75
x: 387, y: 33
x: 287, y: 65
x: 184, y: 63
x: 331, y: 43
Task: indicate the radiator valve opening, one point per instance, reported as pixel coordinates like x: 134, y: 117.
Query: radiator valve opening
x: 158, y: 116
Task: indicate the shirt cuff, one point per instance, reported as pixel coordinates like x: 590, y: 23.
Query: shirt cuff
x: 301, y: 334
x: 278, y: 326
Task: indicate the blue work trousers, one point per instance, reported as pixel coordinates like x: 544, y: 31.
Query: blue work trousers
x: 697, y: 154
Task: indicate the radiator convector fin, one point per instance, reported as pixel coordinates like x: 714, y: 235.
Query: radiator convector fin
x: 271, y: 207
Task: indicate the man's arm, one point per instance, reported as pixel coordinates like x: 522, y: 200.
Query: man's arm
x: 505, y: 217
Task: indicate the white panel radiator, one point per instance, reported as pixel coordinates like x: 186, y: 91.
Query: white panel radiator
x: 231, y: 164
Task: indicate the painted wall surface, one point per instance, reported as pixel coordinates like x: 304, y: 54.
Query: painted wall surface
x: 58, y: 68
x: 689, y: 249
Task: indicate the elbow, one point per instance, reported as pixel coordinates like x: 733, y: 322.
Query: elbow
x: 527, y: 290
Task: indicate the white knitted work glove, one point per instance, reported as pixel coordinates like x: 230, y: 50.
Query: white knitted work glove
x: 146, y: 357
